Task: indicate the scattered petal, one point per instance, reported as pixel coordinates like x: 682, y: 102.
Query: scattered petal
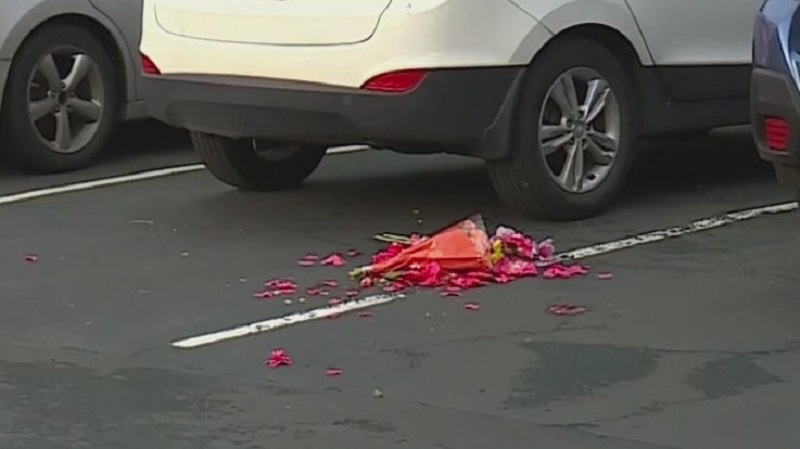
x: 306, y: 263
x: 395, y: 287
x: 333, y: 372
x: 366, y: 283
x: 31, y: 258
x: 266, y: 294
x: 334, y: 301
x: 605, y: 276
x: 351, y: 293
x: 365, y: 314
x: 313, y: 291
x: 278, y: 358
x: 566, y: 309
x: 472, y: 306
x: 559, y: 271
x: 334, y: 260
x: 330, y: 283
x: 353, y: 252
x: 311, y: 256
x: 451, y: 293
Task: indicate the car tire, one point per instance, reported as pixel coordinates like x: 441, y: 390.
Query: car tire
x: 248, y: 165
x: 529, y: 179
x: 74, y: 115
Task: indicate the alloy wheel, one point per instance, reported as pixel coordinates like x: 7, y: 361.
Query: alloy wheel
x: 66, y: 97
x: 579, y: 130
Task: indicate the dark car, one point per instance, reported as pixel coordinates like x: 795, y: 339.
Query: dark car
x: 775, y: 89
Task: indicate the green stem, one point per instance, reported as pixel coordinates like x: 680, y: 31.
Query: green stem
x: 360, y: 272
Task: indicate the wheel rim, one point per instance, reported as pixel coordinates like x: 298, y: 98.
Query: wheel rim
x: 579, y: 130
x: 66, y: 97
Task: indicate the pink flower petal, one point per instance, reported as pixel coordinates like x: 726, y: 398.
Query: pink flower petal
x: 472, y: 306
x: 313, y: 291
x: 31, y: 258
x: 311, y: 256
x: 266, y: 294
x: 306, y: 263
x: 334, y: 301
x: 351, y: 293
x: 366, y: 283
x: 278, y: 358
x: 566, y: 309
x: 365, y: 314
x: 395, y: 287
x: 333, y: 372
x: 605, y: 276
x: 330, y: 283
x: 353, y: 252
x: 447, y: 293
x: 334, y: 260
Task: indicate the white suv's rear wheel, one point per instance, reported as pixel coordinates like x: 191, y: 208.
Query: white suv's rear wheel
x: 250, y: 164
x: 574, y: 134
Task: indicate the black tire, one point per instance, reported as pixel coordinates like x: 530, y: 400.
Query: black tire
x: 523, y: 179
x: 236, y: 163
x: 22, y: 144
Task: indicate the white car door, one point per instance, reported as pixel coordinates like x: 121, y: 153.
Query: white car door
x: 697, y: 32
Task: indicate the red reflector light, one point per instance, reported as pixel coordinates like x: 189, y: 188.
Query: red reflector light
x: 776, y: 132
x: 148, y: 66
x: 397, y: 82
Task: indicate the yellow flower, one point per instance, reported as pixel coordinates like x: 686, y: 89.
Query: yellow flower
x: 497, y: 251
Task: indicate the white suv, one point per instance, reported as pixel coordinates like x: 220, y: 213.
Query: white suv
x: 552, y: 94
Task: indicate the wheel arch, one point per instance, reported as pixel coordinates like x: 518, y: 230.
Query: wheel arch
x: 81, y: 14
x: 609, y: 20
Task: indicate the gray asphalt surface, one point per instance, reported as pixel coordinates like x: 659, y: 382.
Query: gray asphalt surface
x: 693, y: 343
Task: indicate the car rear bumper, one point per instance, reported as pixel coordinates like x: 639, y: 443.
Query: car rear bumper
x: 463, y: 111
x: 775, y: 95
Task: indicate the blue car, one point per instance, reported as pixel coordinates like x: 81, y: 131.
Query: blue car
x: 775, y: 90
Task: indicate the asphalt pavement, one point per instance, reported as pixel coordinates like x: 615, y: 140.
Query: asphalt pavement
x: 692, y: 344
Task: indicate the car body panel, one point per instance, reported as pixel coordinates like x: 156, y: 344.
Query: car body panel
x: 560, y: 15
x: 771, y: 36
x: 18, y: 18
x: 695, y: 32
x: 298, y: 22
x: 126, y: 15
x: 496, y: 27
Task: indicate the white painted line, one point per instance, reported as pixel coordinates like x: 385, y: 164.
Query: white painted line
x: 696, y: 226
x: 141, y: 176
x: 284, y: 321
x: 575, y: 254
x: 98, y: 183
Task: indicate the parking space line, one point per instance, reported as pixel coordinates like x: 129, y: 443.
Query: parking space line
x: 98, y: 183
x: 704, y: 224
x: 286, y: 320
x: 124, y: 179
x: 272, y: 324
